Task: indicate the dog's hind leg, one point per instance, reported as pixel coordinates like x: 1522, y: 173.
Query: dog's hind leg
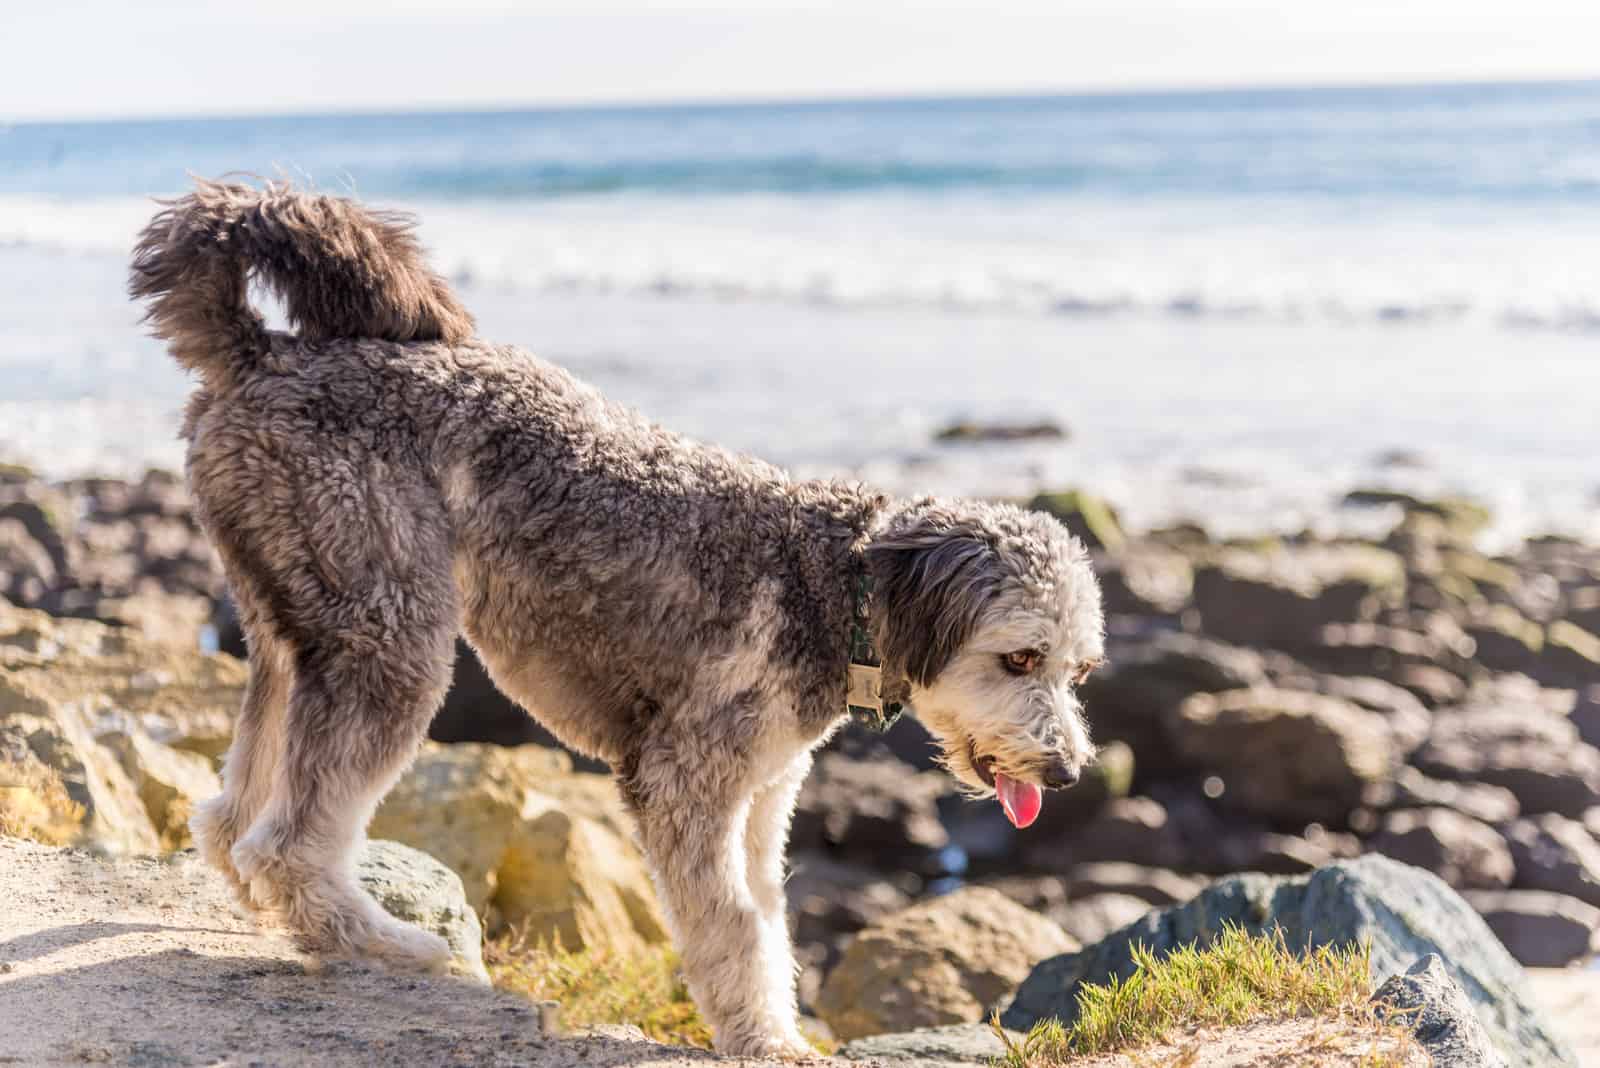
x: 356, y: 715
x: 251, y: 766
x: 692, y: 823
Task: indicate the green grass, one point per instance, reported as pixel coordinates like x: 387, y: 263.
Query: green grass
x: 642, y: 987
x: 1239, y: 979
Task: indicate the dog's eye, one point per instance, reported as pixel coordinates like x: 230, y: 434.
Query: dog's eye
x: 1082, y: 672
x: 1021, y: 662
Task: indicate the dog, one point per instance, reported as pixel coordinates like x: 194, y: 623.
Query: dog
x: 379, y: 479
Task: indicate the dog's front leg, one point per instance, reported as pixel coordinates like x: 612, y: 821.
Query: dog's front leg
x: 693, y: 832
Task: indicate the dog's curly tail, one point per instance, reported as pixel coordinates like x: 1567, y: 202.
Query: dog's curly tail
x: 342, y: 271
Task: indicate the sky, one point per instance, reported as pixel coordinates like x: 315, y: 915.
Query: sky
x: 113, y: 58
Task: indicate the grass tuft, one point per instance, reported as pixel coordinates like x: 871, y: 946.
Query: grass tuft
x: 642, y: 987
x: 1239, y: 979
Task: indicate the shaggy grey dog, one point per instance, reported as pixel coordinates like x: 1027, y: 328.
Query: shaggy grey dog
x: 380, y: 479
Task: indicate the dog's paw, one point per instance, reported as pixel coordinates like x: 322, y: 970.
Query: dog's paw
x: 771, y: 1047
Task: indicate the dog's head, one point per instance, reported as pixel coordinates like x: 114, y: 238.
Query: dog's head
x: 991, y: 616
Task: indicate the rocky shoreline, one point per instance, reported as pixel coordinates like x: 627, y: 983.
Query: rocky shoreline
x: 1271, y: 705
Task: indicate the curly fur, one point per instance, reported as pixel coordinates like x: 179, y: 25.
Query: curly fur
x: 381, y: 479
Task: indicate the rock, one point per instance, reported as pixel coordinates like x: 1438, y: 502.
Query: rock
x: 1488, y: 804
x: 169, y: 781
x: 535, y: 844
x: 1535, y: 755
x: 1090, y: 918
x: 26, y: 571
x: 1459, y: 514
x: 106, y: 810
x: 971, y: 1043
x: 414, y: 887
x: 966, y: 433
x: 1132, y: 698
x: 181, y: 697
x: 1428, y: 1002
x: 1505, y: 640
x: 145, y: 961
x: 1285, y: 756
x: 1571, y: 656
x: 1385, y: 652
x: 875, y: 809
x: 1153, y: 885
x: 1284, y: 597
x: 1433, y: 686
x: 1145, y: 580
x: 1458, y: 849
x: 1404, y: 912
x: 1131, y: 829
x: 1090, y: 519
x: 1541, y: 929
x: 947, y: 960
x: 1556, y: 854
x: 830, y: 900
x: 34, y: 803
x: 1586, y: 715
x: 1404, y: 716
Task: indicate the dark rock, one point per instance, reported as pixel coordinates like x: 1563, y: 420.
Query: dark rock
x: 1284, y: 598
x: 1488, y: 804
x: 1527, y: 750
x: 1285, y: 756
x: 1505, y: 640
x: 966, y: 433
x: 1586, y: 715
x: 1155, y: 886
x: 880, y: 810
x: 1458, y: 512
x: 1131, y: 699
x: 1429, y: 1002
x: 1571, y: 656
x: 1403, y: 912
x: 1093, y: 916
x: 1382, y: 651
x: 1089, y: 518
x: 1583, y: 608
x: 1404, y: 716
x: 1146, y: 580
x: 1130, y: 829
x: 1465, y: 853
x: 1541, y: 929
x: 1556, y: 854
x: 27, y: 573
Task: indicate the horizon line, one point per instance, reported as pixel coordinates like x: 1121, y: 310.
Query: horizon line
x: 802, y: 99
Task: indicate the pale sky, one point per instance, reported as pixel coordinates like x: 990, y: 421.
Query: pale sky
x: 92, y: 58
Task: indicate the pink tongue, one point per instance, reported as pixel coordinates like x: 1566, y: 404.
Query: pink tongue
x: 1021, y: 800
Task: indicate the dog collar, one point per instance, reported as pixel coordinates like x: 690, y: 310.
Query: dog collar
x: 864, y: 697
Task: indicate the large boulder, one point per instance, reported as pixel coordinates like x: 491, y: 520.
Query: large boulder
x: 1131, y: 699
x: 1284, y: 596
x: 1283, y: 755
x: 536, y: 844
x: 878, y: 809
x: 1458, y: 849
x: 170, y: 781
x: 944, y: 961
x: 414, y: 887
x: 1541, y: 929
x: 1403, y: 912
x: 1556, y: 854
x: 1521, y: 747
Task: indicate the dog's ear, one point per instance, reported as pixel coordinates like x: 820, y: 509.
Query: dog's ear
x: 931, y: 582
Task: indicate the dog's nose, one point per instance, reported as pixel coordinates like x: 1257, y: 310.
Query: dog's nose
x: 1059, y: 775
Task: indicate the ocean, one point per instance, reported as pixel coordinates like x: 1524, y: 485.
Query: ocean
x: 1240, y: 304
